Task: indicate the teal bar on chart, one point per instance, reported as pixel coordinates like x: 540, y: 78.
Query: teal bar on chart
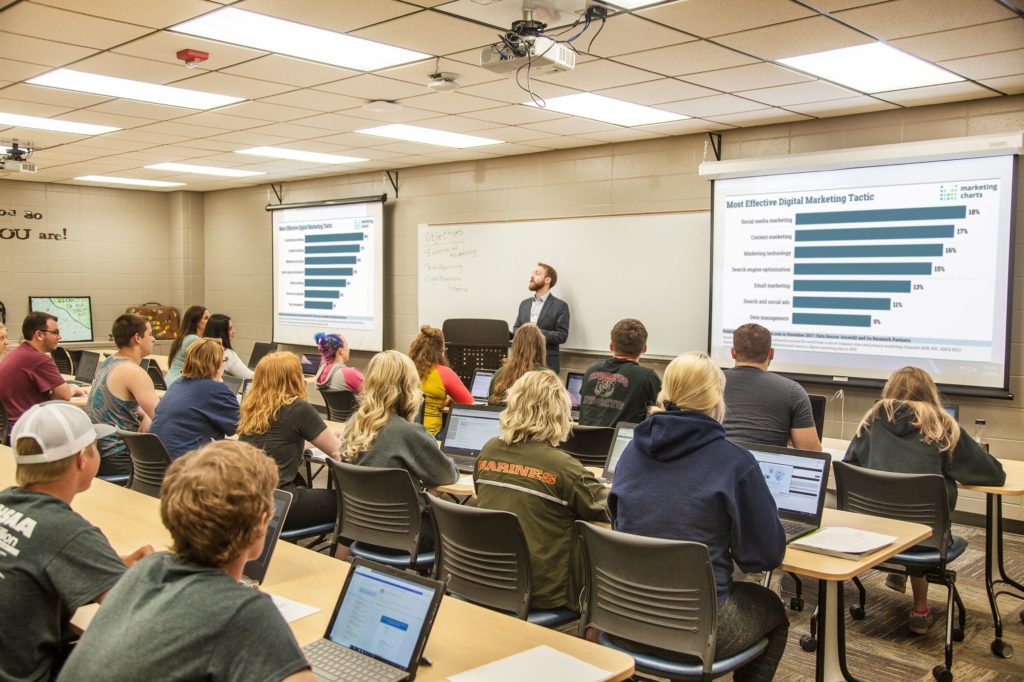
x: 323, y: 294
x: 332, y: 260
x: 883, y: 215
x: 319, y: 305
x: 849, y: 234
x: 862, y: 269
x: 842, y: 303
x: 328, y: 272
x: 869, y: 251
x: 832, y: 320
x: 868, y: 286
x: 340, y: 237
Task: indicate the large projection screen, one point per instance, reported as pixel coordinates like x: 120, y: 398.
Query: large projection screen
x: 328, y: 273
x: 860, y: 271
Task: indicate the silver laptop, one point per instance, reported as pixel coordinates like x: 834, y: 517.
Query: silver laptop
x: 574, y: 384
x: 796, y: 480
x: 255, y: 570
x: 469, y: 427
x: 85, y: 371
x: 310, y: 363
x: 379, y: 627
x: 623, y: 436
x: 481, y: 386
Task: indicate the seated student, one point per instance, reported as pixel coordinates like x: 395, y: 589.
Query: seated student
x: 524, y: 472
x: 122, y: 393
x: 619, y: 389
x: 909, y: 432
x: 193, y: 324
x: 220, y: 327
x: 183, y: 614
x: 277, y: 419
x: 437, y: 380
x: 52, y: 561
x: 762, y: 407
x: 333, y: 375
x: 198, y: 408
x: 28, y: 375
x: 527, y: 354
x: 680, y: 479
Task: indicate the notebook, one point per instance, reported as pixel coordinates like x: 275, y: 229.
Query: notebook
x: 469, y: 427
x: 259, y: 349
x: 85, y: 372
x: 574, y: 384
x: 256, y: 570
x: 623, y: 436
x: 480, y: 388
x: 796, y: 480
x: 310, y: 363
x: 379, y: 627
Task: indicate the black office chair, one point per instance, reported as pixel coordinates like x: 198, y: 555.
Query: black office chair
x: 150, y: 460
x: 157, y: 376
x: 918, y: 498
x: 472, y: 344
x: 340, y: 404
x: 62, y: 358
x: 319, y: 531
x: 379, y: 509
x: 483, y: 555
x: 818, y: 405
x: 630, y: 594
x: 589, y: 444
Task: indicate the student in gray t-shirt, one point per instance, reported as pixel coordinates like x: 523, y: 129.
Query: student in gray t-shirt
x: 183, y: 614
x: 762, y: 407
x: 52, y: 561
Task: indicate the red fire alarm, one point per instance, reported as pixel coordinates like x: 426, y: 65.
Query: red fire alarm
x: 192, y: 57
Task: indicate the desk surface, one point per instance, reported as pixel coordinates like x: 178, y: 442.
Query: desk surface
x: 464, y: 635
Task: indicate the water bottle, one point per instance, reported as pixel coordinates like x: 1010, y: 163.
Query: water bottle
x: 979, y: 434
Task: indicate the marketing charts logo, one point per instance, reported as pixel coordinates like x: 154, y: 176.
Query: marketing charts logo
x: 947, y: 192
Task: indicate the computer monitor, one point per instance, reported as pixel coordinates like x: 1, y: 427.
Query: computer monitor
x: 73, y: 313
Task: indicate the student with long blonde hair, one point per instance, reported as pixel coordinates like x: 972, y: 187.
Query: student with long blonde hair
x: 437, y: 380
x: 527, y: 354
x: 277, y: 419
x: 909, y: 432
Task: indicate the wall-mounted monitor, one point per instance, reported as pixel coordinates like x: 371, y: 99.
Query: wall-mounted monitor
x: 73, y: 313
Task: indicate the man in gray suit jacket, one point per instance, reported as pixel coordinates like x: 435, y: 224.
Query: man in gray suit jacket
x: 547, y: 312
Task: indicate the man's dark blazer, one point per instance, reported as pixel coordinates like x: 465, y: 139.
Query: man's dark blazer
x: 553, y: 322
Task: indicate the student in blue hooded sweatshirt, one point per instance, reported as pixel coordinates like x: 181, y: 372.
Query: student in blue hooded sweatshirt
x: 680, y: 479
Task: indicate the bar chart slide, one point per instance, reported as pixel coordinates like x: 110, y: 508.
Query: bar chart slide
x: 868, y: 269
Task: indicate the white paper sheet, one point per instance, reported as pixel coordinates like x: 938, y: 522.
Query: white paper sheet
x: 292, y: 610
x: 539, y: 664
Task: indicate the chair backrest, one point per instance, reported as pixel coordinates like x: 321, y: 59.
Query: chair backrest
x: 378, y: 506
x: 918, y: 498
x: 472, y: 344
x: 340, y: 404
x: 157, y: 376
x: 484, y: 556
x: 589, y: 444
x: 62, y: 359
x: 149, y: 461
x: 818, y: 405
x: 630, y: 593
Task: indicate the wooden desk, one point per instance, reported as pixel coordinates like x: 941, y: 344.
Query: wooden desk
x: 464, y: 635
x: 832, y: 571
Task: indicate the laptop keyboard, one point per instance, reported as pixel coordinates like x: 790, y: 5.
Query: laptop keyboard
x: 464, y: 463
x: 794, y: 528
x: 333, y: 662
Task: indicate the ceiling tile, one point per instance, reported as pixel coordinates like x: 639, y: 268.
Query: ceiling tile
x: 371, y: 87
x: 236, y: 86
x: 966, y: 42
x: 838, y: 5
x: 448, y: 102
x: 842, y: 107
x: 687, y: 127
x: 420, y: 32
x: 335, y: 15
x: 760, y: 117
x: 624, y: 135
x: 38, y: 138
x: 707, y: 18
x: 290, y: 71
x: 507, y: 90
x: 902, y: 18
x: 510, y: 134
x: 264, y: 111
x: 145, y: 137
x: 457, y: 124
x: 687, y: 58
x: 134, y: 68
x: 316, y: 100
x: 127, y: 107
x: 596, y: 75
x: 571, y: 125
x: 798, y: 93
x: 935, y: 94
x: 15, y: 46
x: 163, y: 46
x: 50, y: 23
x: 1009, y: 63
x: 353, y: 140
x: 106, y: 119
x: 18, y: 106
x: 747, y: 77
x: 222, y: 121
x: 625, y: 33
x: 657, y: 92
x: 1011, y: 85
x: 11, y: 70
x: 712, y: 106
x: 45, y: 95
x: 338, y: 122
x: 152, y: 14
x: 251, y: 139
x: 418, y: 72
x: 803, y: 36
x: 514, y: 115
x: 186, y: 130
x: 402, y: 115
x: 292, y: 131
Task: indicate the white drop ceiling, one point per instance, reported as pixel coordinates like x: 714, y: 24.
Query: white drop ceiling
x: 708, y: 59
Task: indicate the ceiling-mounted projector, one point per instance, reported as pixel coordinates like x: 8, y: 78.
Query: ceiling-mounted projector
x: 516, y: 51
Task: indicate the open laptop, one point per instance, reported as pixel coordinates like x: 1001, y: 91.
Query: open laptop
x: 797, y: 480
x: 85, y: 372
x: 574, y: 384
x: 469, y: 427
x: 623, y: 436
x: 310, y: 363
x: 234, y: 383
x: 259, y: 349
x: 256, y: 570
x: 480, y: 388
x: 379, y: 627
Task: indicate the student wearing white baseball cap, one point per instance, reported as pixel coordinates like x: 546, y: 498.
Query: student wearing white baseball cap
x: 52, y: 560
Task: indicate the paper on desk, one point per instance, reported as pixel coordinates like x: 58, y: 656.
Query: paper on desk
x: 848, y: 541
x: 539, y: 664
x: 292, y: 610
x: 317, y: 455
x: 466, y: 479
x: 837, y: 454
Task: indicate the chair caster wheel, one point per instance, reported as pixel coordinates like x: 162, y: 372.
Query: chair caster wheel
x: 958, y: 634
x: 1001, y: 648
x: 941, y: 674
x: 808, y: 643
x: 797, y: 604
x: 857, y: 612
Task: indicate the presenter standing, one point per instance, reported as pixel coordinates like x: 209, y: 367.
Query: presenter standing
x: 550, y: 314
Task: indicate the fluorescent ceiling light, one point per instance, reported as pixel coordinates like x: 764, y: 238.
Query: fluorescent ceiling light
x: 204, y: 170
x: 874, y: 67
x: 239, y: 27
x: 299, y: 155
x: 608, y: 109
x: 128, y: 181
x: 632, y: 4
x: 56, y: 125
x: 79, y: 81
x: 441, y: 138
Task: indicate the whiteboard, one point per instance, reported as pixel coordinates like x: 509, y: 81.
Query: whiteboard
x: 652, y: 267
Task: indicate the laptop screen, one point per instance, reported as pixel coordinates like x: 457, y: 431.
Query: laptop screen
x: 574, y: 384
x: 469, y: 427
x: 257, y: 568
x: 623, y: 435
x: 382, y: 615
x: 794, y: 480
x: 259, y: 349
x: 86, y: 370
x: 310, y: 362
x: 481, y: 384
x: 953, y: 411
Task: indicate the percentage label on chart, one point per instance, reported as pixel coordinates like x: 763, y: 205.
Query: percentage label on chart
x: 938, y: 268
x: 974, y: 211
x: 897, y: 304
x: 875, y: 321
x: 950, y: 249
x: 918, y: 287
x: 961, y: 230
